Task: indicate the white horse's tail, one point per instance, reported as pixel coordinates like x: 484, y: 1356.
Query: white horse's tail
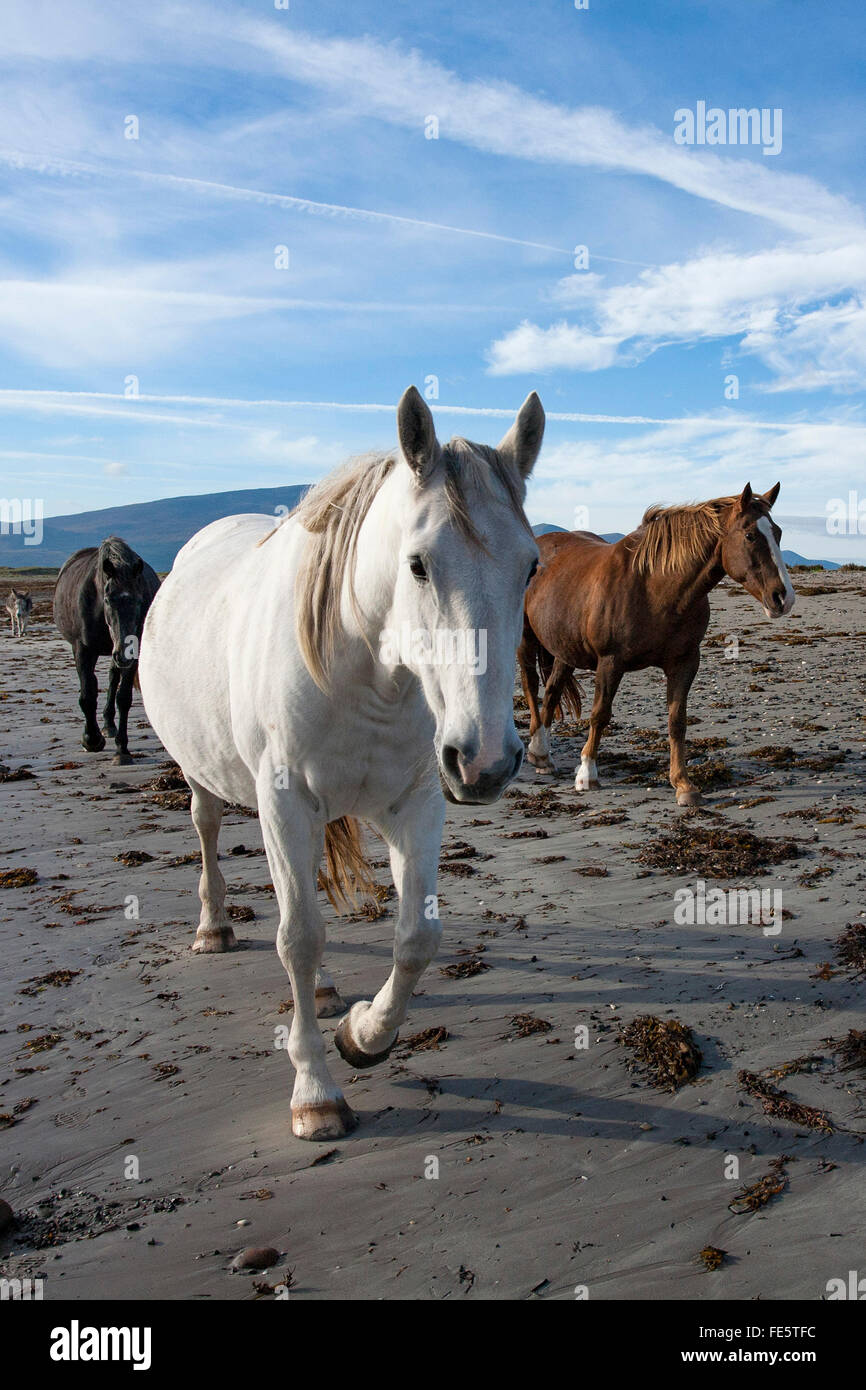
x: 347, y: 874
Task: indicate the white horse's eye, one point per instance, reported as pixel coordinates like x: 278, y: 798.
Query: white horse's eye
x: 416, y: 565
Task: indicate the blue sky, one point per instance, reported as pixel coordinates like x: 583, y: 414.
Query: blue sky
x: 412, y: 258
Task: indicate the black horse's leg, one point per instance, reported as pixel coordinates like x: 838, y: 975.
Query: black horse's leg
x: 85, y: 665
x: 124, y: 700
x: 108, y: 725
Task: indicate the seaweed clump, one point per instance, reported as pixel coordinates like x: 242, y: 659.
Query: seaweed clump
x: 715, y: 852
x: 759, y: 1193
x: 665, y: 1050
x: 850, y: 948
x: 781, y: 1106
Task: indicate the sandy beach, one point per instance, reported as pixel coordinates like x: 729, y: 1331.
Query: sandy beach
x: 145, y: 1094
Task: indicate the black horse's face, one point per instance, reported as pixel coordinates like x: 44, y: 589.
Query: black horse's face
x: 123, y: 603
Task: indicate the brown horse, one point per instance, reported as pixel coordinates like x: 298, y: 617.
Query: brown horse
x: 640, y: 602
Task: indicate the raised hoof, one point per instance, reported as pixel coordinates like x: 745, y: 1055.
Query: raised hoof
x: 110, y: 730
x: 690, y: 797
x: 93, y: 745
x: 351, y: 1052
x: 122, y: 760
x: 330, y: 1120
x: 215, y: 940
x: 329, y: 1003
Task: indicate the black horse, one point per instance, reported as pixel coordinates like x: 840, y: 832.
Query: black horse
x: 100, y: 602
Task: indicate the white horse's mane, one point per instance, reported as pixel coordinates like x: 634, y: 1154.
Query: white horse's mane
x: 333, y: 511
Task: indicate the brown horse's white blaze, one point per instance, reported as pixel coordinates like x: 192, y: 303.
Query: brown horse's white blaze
x: 641, y: 602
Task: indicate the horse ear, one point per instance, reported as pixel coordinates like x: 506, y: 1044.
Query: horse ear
x: 107, y: 567
x: 522, y: 443
x: 770, y: 497
x: 416, y: 432
x: 746, y: 497
x: 138, y: 565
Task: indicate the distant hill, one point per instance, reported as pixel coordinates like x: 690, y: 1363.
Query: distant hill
x: 157, y: 530
x: 544, y: 527
x: 789, y: 556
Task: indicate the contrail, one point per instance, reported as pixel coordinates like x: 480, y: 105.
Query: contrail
x: 48, y: 164
x: 15, y: 397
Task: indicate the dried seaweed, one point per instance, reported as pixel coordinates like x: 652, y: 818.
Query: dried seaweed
x: 17, y: 878
x: 758, y: 1194
x: 782, y: 1106
x: 712, y: 1257
x: 527, y: 1025
x: 715, y: 853
x: 666, y: 1049
x: 850, y: 948
x: 851, y: 1050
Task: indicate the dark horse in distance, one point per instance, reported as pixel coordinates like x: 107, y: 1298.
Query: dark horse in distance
x: 640, y: 602
x: 100, y: 602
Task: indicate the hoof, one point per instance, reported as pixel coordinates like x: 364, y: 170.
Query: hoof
x: 593, y: 785
x: 330, y: 1120
x: 689, y: 797
x: 540, y: 762
x: 329, y: 1003
x: 214, y: 940
x: 122, y: 760
x: 93, y: 745
x: 110, y: 730
x: 351, y: 1052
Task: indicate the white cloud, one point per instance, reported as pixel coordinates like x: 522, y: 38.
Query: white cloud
x: 766, y: 298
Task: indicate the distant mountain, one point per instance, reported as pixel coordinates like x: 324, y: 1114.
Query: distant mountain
x: 157, y: 530
x: 789, y: 556
x: 792, y: 558
x: 544, y: 527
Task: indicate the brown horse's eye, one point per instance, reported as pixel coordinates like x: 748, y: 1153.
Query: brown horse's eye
x: 751, y: 536
x: 416, y: 565
x: 532, y: 573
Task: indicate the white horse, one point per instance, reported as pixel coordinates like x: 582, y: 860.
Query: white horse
x: 19, y: 607
x: 299, y: 669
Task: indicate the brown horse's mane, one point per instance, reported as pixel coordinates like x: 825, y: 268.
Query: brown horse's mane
x: 674, y: 538
x: 333, y: 512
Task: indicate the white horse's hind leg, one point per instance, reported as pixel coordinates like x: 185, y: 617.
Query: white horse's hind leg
x: 369, y: 1030
x: 329, y: 1001
x: 214, y: 929
x: 294, y: 848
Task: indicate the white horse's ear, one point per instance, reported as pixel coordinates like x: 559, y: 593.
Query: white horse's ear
x: 522, y: 443
x: 417, y: 433
x: 770, y: 497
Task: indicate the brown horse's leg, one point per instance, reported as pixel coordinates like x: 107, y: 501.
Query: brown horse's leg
x: 679, y: 680
x: 607, y: 679
x: 556, y: 673
x: 215, y: 931
x: 528, y: 656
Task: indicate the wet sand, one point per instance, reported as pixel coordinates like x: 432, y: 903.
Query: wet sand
x: 559, y: 1167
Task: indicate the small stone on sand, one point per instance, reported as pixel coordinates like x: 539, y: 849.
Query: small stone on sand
x: 256, y: 1257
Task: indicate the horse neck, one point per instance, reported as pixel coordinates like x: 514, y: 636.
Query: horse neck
x: 374, y: 572
x: 697, y: 579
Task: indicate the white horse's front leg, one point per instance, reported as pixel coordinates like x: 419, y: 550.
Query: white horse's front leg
x: 369, y: 1030
x: 294, y: 841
